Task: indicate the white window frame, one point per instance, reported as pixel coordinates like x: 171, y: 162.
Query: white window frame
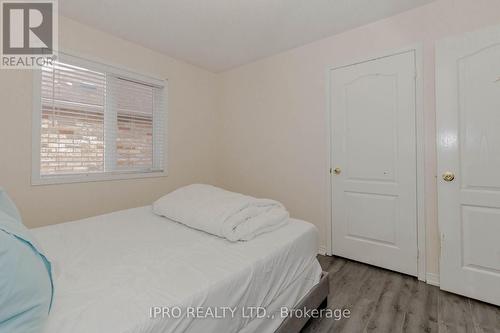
x: 38, y: 179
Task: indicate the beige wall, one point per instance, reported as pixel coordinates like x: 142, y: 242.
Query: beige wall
x: 191, y: 126
x: 272, y: 136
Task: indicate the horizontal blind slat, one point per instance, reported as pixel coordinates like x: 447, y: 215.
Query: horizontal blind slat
x: 76, y: 127
x: 133, y: 103
x: 72, y: 124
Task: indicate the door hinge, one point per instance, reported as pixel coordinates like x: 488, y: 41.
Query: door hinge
x: 330, y: 171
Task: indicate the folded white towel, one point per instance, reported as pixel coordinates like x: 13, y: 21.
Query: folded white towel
x: 222, y: 213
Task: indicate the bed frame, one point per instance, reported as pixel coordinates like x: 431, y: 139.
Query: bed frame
x: 316, y: 298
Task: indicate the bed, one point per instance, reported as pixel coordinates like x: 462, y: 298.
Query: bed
x: 114, y: 272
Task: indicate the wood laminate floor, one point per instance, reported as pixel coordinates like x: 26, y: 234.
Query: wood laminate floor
x: 385, y: 301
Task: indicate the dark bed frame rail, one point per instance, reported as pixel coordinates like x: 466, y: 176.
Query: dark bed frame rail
x: 316, y: 298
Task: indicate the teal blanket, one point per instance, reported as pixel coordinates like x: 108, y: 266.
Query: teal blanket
x: 26, y: 286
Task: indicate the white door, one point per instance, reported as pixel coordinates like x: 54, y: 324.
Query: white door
x: 373, y: 181
x: 468, y: 121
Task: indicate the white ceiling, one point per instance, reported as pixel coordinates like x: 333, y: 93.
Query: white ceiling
x: 221, y: 34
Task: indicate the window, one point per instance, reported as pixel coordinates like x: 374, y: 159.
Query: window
x: 96, y: 122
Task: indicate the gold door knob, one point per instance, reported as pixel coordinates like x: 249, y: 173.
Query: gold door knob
x: 448, y: 176
x: 337, y: 171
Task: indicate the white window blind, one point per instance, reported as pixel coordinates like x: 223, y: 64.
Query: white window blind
x: 98, y: 120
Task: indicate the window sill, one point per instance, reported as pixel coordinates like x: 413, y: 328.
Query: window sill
x: 97, y: 177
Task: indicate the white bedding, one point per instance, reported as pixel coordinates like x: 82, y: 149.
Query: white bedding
x: 111, y: 269
x: 222, y: 213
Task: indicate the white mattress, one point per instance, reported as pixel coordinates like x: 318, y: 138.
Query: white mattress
x: 111, y: 269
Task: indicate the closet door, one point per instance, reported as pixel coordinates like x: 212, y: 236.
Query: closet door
x: 468, y: 122
x: 374, y: 162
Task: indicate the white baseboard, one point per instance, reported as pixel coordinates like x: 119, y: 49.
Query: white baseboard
x: 433, y: 279
x: 322, y: 250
